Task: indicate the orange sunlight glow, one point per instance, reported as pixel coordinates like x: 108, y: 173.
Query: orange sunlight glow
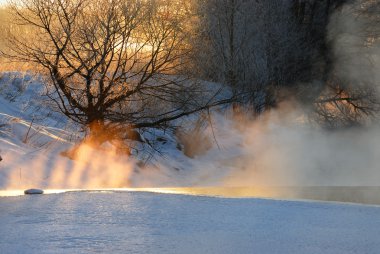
x: 226, y: 192
x: 91, y: 168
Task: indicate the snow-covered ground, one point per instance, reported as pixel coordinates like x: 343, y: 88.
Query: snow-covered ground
x: 33, y: 137
x: 131, y: 222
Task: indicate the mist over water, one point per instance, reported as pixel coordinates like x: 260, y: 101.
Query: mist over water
x: 297, y: 155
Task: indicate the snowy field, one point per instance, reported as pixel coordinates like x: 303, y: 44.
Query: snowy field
x: 134, y: 222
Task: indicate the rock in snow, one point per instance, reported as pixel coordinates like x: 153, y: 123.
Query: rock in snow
x: 33, y: 192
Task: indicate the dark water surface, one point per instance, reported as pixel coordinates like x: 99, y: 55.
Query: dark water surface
x: 352, y: 194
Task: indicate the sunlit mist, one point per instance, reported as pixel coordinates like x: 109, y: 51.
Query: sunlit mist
x: 91, y: 168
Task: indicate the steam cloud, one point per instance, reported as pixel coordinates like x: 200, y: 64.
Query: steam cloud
x: 355, y: 43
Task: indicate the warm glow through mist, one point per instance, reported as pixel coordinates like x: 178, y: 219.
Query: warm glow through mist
x: 91, y: 168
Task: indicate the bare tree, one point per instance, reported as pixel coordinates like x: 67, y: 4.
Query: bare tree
x: 351, y: 94
x: 111, y: 62
x: 4, y: 20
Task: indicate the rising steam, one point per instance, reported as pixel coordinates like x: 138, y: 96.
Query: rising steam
x: 91, y: 169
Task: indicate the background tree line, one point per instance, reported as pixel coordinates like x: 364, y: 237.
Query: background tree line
x: 273, y: 51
